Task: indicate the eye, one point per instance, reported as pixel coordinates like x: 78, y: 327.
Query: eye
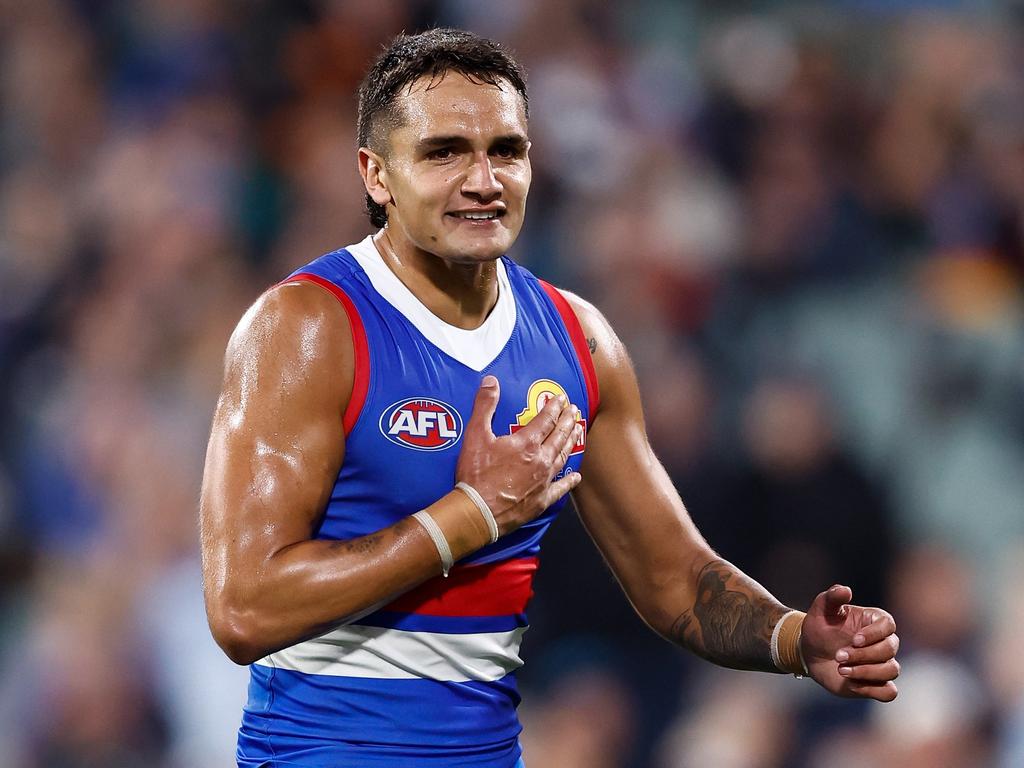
x: 507, y: 152
x: 442, y: 153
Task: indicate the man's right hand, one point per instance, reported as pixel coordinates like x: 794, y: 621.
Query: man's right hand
x: 513, y: 473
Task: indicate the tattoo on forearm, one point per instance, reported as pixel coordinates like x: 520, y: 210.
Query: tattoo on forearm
x: 731, y: 621
x: 361, y: 545
x: 592, y: 343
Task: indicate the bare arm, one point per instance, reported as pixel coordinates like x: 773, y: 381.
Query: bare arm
x: 275, y: 450
x: 678, y: 585
x: 627, y: 502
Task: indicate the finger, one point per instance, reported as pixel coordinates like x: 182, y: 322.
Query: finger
x: 570, y: 441
x: 560, y: 487
x: 877, y: 691
x: 563, y: 427
x: 876, y: 653
x: 543, y: 423
x: 484, y: 405
x: 871, y: 673
x: 881, y: 627
x: 837, y: 597
x: 565, y: 440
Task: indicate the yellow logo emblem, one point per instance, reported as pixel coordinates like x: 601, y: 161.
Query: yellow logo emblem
x: 540, y: 393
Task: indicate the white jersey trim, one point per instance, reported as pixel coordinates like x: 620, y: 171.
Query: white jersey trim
x: 476, y: 348
x: 375, y: 652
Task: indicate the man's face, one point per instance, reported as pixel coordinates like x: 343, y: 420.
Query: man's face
x: 458, y: 169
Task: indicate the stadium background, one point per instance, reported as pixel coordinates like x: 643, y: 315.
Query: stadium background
x: 806, y: 221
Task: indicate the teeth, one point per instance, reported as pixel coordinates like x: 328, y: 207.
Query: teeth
x: 481, y: 215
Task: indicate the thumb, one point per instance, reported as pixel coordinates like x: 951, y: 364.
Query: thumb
x: 484, y: 406
x: 835, y: 598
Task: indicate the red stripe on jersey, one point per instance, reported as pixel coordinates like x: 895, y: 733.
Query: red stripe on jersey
x: 495, y: 589
x: 361, y: 379
x: 579, y: 341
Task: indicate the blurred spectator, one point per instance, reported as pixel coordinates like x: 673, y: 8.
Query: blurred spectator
x: 801, y: 514
x: 940, y: 718
x: 738, y: 721
x: 934, y: 594
x: 585, y: 719
x: 1004, y: 666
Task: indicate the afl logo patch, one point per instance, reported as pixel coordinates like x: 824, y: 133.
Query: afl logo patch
x: 421, y: 423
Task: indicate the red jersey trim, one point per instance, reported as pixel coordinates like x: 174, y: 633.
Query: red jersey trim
x: 494, y: 589
x: 579, y: 341
x: 361, y: 378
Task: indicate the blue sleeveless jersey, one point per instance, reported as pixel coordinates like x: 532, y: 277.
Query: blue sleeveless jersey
x: 428, y: 679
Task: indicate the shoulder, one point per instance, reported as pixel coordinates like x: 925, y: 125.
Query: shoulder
x: 612, y: 365
x: 292, y: 331
x: 605, y: 346
x: 292, y: 309
x: 590, y: 317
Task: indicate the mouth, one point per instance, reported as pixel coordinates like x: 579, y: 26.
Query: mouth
x: 478, y: 215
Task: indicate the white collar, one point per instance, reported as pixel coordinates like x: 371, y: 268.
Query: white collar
x: 476, y: 348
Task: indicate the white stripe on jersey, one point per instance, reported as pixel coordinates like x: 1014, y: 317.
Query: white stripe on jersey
x: 358, y: 651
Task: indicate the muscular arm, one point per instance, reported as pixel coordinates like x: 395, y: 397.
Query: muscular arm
x: 275, y: 450
x: 627, y: 502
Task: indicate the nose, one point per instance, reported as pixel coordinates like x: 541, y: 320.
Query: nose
x: 480, y: 182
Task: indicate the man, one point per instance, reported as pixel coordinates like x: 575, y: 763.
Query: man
x: 418, y: 400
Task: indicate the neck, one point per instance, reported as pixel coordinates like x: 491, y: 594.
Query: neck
x: 460, y: 294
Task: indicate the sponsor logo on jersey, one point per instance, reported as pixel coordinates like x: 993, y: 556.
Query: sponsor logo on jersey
x: 541, y: 391
x: 421, y: 423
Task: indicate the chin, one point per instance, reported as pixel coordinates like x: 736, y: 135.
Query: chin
x: 486, y: 250
x: 484, y: 255
x: 462, y: 242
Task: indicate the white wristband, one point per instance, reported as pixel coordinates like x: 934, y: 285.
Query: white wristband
x: 437, y: 535
x: 492, y: 524
x: 800, y: 652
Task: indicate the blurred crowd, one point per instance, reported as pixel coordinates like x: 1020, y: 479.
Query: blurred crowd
x: 805, y: 220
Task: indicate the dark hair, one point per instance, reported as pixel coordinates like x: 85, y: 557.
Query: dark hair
x: 433, y: 54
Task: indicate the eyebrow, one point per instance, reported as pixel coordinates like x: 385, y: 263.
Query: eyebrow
x: 513, y: 139
x: 432, y: 142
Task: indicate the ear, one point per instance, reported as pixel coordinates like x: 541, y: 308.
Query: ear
x: 375, y: 176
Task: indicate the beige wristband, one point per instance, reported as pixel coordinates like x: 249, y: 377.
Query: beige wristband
x: 785, y: 644
x: 485, y: 511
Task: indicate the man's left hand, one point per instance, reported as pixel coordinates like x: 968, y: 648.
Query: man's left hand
x: 850, y: 650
